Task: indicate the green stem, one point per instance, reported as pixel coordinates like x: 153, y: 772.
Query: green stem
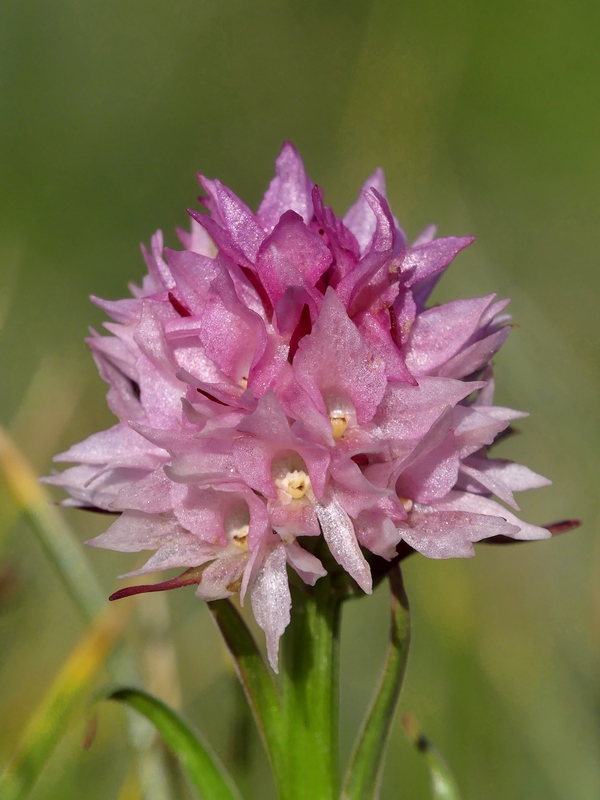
x: 363, y: 778
x: 311, y: 694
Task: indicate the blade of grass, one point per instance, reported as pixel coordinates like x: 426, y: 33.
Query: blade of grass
x: 256, y: 680
x: 66, y: 554
x: 59, y: 542
x: 363, y: 777
x: 70, y: 685
x: 442, y: 782
x: 204, y: 770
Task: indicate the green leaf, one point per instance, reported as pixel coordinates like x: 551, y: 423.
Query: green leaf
x: 73, y: 568
x: 207, y: 775
x: 256, y: 679
x: 442, y: 782
x: 363, y: 778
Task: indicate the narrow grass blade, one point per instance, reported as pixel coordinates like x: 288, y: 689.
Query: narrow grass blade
x: 67, y: 556
x: 205, y: 772
x: 50, y: 718
x: 59, y: 542
x: 363, y: 778
x: 255, y: 677
x: 442, y: 783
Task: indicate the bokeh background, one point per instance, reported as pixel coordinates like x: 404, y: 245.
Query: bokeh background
x: 485, y: 117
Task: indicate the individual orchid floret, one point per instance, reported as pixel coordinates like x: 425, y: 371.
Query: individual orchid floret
x: 287, y: 402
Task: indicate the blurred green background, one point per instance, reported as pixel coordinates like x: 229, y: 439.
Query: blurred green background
x: 485, y: 117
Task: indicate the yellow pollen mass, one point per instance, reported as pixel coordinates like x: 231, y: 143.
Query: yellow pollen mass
x: 295, y: 484
x: 244, y: 383
x: 338, y: 425
x: 239, y: 536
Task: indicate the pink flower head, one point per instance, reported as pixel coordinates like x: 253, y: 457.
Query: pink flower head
x: 280, y: 381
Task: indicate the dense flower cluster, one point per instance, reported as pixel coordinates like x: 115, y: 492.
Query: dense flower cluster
x: 280, y: 378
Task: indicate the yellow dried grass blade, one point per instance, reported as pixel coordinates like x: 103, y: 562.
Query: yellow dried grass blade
x: 56, y: 537
x: 65, y: 553
x: 72, y: 682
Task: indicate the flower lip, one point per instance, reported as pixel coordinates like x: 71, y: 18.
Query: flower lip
x: 237, y: 527
x: 341, y: 414
x: 290, y: 475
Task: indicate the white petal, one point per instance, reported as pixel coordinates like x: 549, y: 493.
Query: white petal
x: 271, y: 600
x: 339, y: 534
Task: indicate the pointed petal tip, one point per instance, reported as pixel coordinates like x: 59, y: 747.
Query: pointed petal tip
x: 187, y: 578
x: 563, y: 526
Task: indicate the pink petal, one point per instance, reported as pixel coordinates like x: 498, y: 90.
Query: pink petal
x: 236, y: 218
x: 290, y: 189
x: 360, y: 218
x: 292, y: 255
x: 308, y: 567
x: 475, y: 356
x: 334, y: 362
x: 272, y: 601
x: 119, y: 445
x: 223, y: 577
x: 184, y: 551
x: 377, y: 533
x: 339, y: 534
x: 439, y: 333
x: 424, y: 260
x: 432, y: 476
x: 449, y: 534
x: 134, y: 531
x: 464, y: 501
x: 407, y: 412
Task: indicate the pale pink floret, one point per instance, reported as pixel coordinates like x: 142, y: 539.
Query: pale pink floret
x: 281, y: 381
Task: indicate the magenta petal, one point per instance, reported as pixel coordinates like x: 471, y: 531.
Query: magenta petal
x: 124, y: 311
x: 93, y: 486
x: 151, y: 494
x: 233, y: 336
x: 378, y: 336
x: 123, y: 394
x: 334, y: 362
x: 238, y: 220
x: 293, y: 255
x: 384, y: 236
x: 158, y: 269
x: 427, y: 259
x: 272, y: 601
x: 360, y: 218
